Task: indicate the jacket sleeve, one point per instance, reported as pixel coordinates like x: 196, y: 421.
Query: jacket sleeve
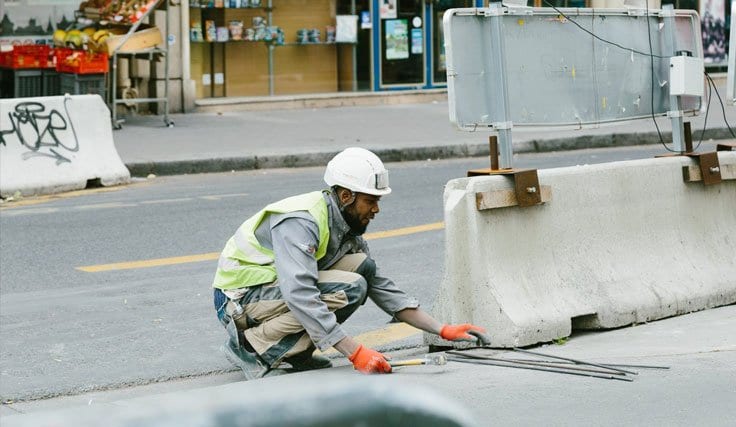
x: 389, y: 297
x: 383, y: 291
x: 295, y: 241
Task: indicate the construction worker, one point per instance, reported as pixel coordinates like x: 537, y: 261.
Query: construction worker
x: 296, y: 270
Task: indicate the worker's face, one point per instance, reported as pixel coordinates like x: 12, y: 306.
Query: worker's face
x: 360, y: 213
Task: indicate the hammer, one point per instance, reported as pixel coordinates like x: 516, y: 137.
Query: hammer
x: 430, y: 359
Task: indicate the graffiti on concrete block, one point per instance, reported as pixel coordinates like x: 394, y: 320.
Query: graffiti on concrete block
x: 44, y: 133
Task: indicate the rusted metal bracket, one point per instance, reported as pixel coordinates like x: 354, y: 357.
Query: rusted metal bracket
x: 708, y: 169
x: 726, y: 146
x: 526, y: 192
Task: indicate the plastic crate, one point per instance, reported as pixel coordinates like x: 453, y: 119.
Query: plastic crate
x: 21, y: 83
x: 83, y: 84
x: 26, y: 56
x: 51, y: 83
x: 80, y: 61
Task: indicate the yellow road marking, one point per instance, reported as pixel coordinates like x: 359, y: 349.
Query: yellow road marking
x: 214, y: 255
x: 393, y: 332
x: 149, y: 263
x: 404, y: 231
x: 36, y: 200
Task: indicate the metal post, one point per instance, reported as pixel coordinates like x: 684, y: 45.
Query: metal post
x: 355, y: 51
x: 675, y: 111
x: 730, y: 76
x: 270, y: 51
x: 113, y: 94
x: 500, y: 103
x: 166, y: 64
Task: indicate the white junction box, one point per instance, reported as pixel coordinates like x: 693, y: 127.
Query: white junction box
x: 686, y: 76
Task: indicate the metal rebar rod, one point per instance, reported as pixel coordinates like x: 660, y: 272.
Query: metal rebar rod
x: 618, y: 365
x: 540, y: 368
x: 550, y: 364
x: 580, y: 362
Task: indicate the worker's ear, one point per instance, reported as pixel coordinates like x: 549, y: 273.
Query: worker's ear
x: 345, y: 196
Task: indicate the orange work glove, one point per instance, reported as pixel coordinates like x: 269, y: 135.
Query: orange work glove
x: 369, y: 361
x: 460, y: 332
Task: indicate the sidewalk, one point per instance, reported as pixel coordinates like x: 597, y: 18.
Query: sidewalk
x: 225, y: 140
x: 698, y: 389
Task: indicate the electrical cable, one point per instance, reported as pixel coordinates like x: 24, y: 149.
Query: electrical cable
x: 707, y: 110
x: 651, y: 55
x: 598, y: 37
x: 723, y: 108
x: 651, y: 62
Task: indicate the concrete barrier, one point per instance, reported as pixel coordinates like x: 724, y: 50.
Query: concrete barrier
x: 617, y: 244
x: 54, y: 144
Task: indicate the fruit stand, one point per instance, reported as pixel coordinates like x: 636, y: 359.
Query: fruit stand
x: 87, y: 57
x: 138, y: 42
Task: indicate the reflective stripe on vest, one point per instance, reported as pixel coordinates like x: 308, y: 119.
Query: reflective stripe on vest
x: 245, y: 262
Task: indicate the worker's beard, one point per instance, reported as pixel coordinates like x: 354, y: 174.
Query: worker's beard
x: 356, y: 225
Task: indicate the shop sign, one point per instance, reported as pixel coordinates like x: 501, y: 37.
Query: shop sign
x: 346, y: 29
x: 388, y: 9
x: 417, y: 41
x: 365, y: 20
x: 397, y: 39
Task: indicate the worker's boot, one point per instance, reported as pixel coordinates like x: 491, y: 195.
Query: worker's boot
x: 251, y: 365
x: 306, y: 361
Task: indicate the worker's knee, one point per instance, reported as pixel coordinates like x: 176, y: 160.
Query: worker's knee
x: 355, y: 289
x: 367, y: 268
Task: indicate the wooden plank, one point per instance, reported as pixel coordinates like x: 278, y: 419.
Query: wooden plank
x: 692, y: 173
x: 505, y: 198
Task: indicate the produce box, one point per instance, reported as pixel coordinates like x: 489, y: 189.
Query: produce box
x: 25, y: 56
x: 141, y: 39
x: 81, y: 62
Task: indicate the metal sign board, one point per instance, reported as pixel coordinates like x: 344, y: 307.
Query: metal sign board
x: 535, y: 67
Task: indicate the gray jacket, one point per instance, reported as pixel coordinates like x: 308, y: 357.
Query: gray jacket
x: 294, y: 237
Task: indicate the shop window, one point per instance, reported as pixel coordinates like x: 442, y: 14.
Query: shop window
x: 402, y: 42
x: 354, y: 60
x: 438, y: 40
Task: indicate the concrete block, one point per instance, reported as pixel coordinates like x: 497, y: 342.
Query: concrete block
x: 618, y: 244
x: 54, y: 144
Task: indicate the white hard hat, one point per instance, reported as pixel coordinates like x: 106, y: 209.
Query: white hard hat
x: 358, y: 170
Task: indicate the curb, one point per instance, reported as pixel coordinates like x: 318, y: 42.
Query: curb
x: 439, y: 152
x: 319, y: 100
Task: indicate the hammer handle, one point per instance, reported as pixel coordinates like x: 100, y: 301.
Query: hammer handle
x: 410, y: 362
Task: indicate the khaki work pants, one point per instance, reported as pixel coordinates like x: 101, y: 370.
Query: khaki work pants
x: 276, y: 333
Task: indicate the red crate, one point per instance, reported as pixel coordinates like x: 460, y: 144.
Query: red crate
x: 26, y: 56
x: 81, y: 62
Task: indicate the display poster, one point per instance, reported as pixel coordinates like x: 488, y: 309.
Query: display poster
x: 388, y: 9
x: 23, y: 22
x: 441, y: 58
x: 397, y: 39
x: 713, y: 25
x: 346, y: 30
x: 417, y: 41
x: 365, y: 20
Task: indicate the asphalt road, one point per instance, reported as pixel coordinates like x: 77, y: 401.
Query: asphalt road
x: 66, y: 331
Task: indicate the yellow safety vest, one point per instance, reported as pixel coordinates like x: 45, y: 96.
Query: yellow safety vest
x: 245, y: 262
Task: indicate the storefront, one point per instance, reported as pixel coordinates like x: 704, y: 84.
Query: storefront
x: 283, y: 47
x: 252, y: 48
